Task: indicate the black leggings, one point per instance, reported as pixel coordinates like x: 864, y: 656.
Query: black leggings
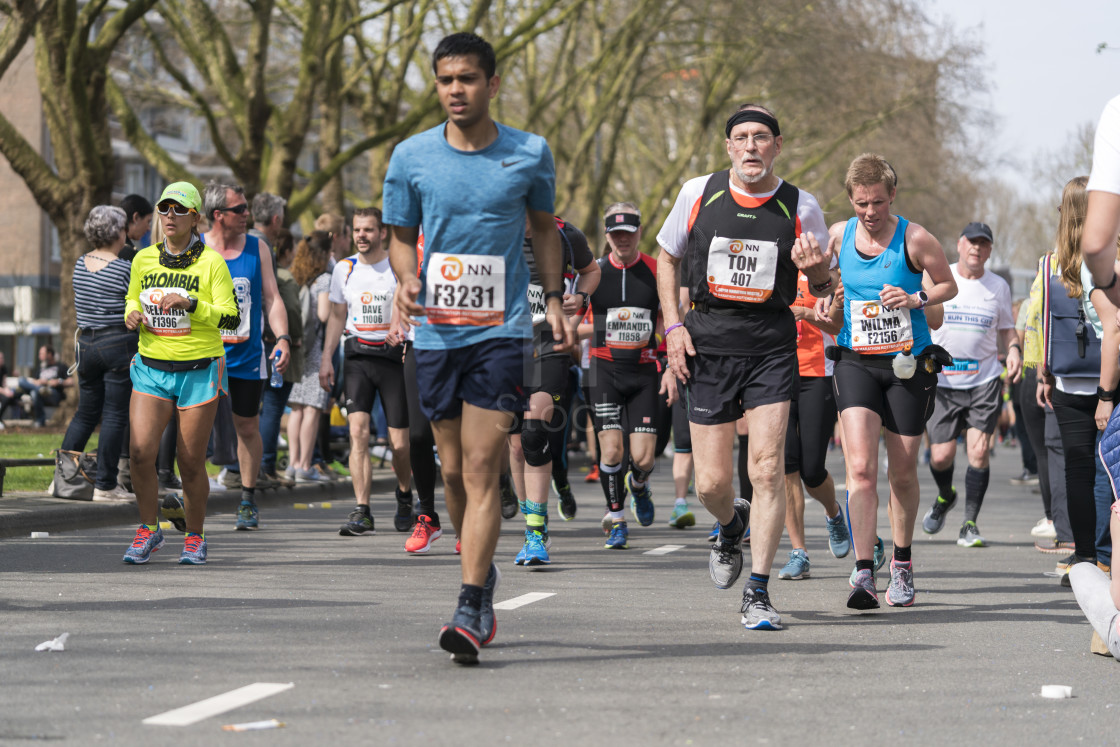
x: 1034, y: 425
x: 812, y: 420
x: 1076, y: 415
x: 421, y: 441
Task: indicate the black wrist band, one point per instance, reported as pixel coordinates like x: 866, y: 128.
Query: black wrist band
x: 824, y: 285
x: 286, y: 338
x: 554, y: 294
x: 586, y: 297
x: 1104, y: 395
x: 192, y: 304
x: 1110, y: 285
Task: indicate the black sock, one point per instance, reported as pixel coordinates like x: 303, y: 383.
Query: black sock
x: 733, y: 529
x: 610, y: 477
x: 746, y: 490
x: 944, y: 480
x: 247, y: 494
x: 758, y: 581
x: 470, y: 595
x: 902, y: 554
x: 975, y: 486
x: 865, y: 565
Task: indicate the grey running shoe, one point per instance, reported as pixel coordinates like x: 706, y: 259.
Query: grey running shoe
x: 462, y: 637
x: 880, y: 555
x: 358, y: 523
x: 726, y: 560
x: 758, y: 613
x: 798, y: 566
x: 935, y: 517
x: 970, y: 536
x: 901, y: 591
x: 863, y: 595
x: 839, y: 542
x: 508, y: 496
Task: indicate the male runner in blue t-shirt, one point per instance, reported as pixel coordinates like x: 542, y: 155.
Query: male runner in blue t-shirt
x: 468, y: 183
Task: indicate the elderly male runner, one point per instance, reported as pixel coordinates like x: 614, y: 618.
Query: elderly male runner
x: 744, y: 233
x: 970, y: 391
x: 469, y: 182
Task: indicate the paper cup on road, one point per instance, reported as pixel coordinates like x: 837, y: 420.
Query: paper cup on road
x: 40, y: 535
x: 1057, y: 692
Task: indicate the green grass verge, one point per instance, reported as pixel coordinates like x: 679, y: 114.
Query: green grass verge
x: 30, y: 446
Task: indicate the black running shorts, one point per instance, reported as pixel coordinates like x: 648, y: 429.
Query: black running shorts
x: 722, y: 387
x: 364, y: 376
x: 903, y: 405
x: 624, y: 387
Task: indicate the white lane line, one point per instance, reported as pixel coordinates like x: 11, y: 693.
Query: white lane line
x: 524, y: 599
x: 663, y: 550
x: 203, y: 709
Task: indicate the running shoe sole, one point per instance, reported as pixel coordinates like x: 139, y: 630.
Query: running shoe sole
x: 761, y: 625
x: 460, y: 643
x: 861, y: 599
x: 347, y: 531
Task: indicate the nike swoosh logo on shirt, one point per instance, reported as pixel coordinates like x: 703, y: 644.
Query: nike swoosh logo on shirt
x: 507, y: 164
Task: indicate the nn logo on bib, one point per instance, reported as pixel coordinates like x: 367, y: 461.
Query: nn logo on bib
x: 367, y: 298
x: 624, y: 315
x: 871, y: 311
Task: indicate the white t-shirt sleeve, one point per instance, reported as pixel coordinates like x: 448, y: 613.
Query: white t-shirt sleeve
x: 338, y: 280
x: 812, y: 221
x: 1105, y: 176
x: 1005, y: 320
x: 673, y: 236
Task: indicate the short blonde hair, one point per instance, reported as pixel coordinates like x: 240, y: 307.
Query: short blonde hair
x: 869, y: 169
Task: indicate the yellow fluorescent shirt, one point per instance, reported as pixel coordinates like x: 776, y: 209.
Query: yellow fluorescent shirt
x: 176, y: 335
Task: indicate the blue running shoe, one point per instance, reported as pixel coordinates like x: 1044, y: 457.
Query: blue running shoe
x: 839, y: 542
x: 880, y: 555
x: 487, y: 621
x: 619, y: 537
x: 247, y: 516
x: 534, y: 552
x: 798, y: 566
x: 641, y: 501
x: 144, y: 544
x: 681, y: 516
x: 714, y: 533
x: 194, y: 550
x: 462, y: 637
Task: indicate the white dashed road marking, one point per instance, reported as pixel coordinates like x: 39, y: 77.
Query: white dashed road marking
x: 524, y: 599
x: 204, y: 709
x: 663, y: 550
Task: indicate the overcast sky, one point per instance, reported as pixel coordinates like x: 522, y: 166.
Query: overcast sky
x: 1045, y: 74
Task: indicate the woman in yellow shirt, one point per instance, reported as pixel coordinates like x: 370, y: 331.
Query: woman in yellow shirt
x: 179, y: 297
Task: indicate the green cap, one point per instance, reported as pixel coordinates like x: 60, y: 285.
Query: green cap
x: 183, y: 193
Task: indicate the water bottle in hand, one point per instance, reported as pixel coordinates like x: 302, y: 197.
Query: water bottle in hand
x: 277, y: 379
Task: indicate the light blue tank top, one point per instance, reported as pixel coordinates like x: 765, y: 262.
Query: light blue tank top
x: 864, y: 278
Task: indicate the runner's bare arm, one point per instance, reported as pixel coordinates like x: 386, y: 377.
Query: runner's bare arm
x: 1110, y: 366
x: 402, y: 258
x: 550, y: 267
x: 1098, y: 240
x: 1014, y: 350
x: 935, y: 312
x: 814, y: 261
x: 277, y: 312
x: 925, y: 254
x: 331, y: 338
x: 587, y: 282
x: 678, y: 342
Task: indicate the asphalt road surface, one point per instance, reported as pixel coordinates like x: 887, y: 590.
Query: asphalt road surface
x: 620, y: 647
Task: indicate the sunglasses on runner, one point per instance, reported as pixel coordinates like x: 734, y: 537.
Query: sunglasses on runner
x: 165, y: 208
x: 239, y: 209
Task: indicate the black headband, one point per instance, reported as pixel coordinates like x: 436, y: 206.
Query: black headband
x: 752, y: 115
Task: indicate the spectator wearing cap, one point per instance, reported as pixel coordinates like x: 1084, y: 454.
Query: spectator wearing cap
x: 978, y: 322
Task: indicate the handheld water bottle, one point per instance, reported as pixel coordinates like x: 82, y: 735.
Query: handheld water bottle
x: 277, y: 378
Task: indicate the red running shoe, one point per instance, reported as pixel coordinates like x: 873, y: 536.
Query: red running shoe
x: 423, y: 535
x: 593, y: 474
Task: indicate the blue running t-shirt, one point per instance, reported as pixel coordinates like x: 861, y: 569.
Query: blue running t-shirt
x: 471, y: 206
